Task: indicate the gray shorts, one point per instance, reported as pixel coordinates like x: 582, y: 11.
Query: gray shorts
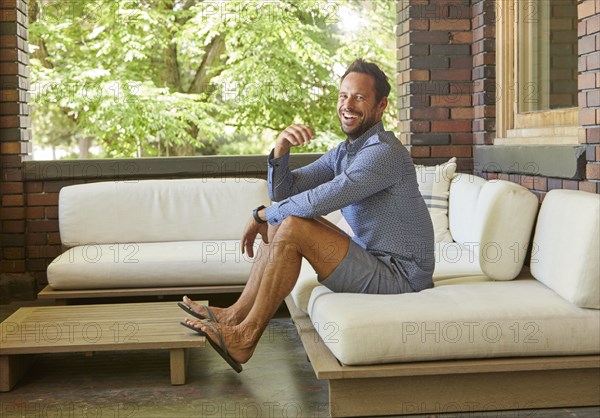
x: 362, y: 272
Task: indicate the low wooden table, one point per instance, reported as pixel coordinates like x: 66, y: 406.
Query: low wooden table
x: 90, y: 328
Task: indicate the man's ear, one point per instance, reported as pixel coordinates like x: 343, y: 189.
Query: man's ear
x: 382, y: 105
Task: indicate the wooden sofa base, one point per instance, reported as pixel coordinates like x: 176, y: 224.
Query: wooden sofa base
x: 450, y: 386
x: 61, y: 297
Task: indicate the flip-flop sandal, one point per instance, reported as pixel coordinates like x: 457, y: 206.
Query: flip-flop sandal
x: 220, y: 349
x: 195, y: 314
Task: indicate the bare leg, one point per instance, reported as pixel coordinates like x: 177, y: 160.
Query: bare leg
x: 237, y: 312
x: 240, y: 309
x: 323, y: 246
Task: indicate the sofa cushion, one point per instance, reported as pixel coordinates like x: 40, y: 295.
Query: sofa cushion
x: 453, y: 263
x: 476, y: 320
x: 505, y: 216
x: 307, y: 281
x: 464, y: 194
x: 158, y: 210
x: 184, y: 263
x: 455, y: 260
x: 494, y: 219
x: 566, y: 250
x: 434, y: 183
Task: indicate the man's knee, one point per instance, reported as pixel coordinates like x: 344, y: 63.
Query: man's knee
x: 293, y: 225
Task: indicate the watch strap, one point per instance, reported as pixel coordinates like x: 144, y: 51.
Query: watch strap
x: 255, y: 214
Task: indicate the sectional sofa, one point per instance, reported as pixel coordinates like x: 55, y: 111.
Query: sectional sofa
x: 490, y: 335
x: 485, y: 337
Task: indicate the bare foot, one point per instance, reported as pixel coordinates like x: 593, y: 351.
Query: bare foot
x: 240, y: 340
x: 222, y: 315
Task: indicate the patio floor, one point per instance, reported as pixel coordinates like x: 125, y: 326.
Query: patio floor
x: 277, y: 382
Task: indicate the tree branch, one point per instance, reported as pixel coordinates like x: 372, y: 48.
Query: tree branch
x: 41, y: 53
x: 212, y: 56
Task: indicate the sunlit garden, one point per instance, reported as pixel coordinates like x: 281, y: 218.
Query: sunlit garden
x: 116, y: 79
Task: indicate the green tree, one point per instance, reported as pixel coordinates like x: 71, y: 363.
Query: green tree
x: 186, y: 77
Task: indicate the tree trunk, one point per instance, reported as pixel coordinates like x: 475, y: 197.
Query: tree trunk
x: 212, y: 57
x: 85, y: 142
x: 172, y: 76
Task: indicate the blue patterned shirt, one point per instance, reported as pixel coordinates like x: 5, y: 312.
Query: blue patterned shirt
x: 373, y: 181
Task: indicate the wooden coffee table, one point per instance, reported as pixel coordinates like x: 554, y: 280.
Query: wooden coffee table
x: 90, y: 328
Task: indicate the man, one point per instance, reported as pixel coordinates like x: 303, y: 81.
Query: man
x: 370, y: 176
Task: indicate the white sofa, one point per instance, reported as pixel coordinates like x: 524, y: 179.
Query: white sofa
x: 153, y: 234
x: 483, y: 341
x: 488, y: 336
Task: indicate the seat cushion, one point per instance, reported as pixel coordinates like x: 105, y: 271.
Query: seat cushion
x: 453, y: 262
x: 475, y: 320
x: 185, y: 263
x: 307, y: 281
x: 566, y: 246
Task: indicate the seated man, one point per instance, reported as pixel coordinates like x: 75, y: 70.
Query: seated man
x: 370, y: 176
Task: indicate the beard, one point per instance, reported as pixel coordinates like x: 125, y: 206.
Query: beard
x: 356, y: 131
x: 361, y: 128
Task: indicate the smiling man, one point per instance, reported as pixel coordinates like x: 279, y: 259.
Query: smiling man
x: 370, y: 176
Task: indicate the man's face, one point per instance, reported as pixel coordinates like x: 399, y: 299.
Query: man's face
x: 358, y: 108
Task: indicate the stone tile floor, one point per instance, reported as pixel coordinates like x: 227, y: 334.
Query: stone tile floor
x: 277, y: 382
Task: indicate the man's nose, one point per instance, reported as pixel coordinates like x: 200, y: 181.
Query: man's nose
x: 348, y: 102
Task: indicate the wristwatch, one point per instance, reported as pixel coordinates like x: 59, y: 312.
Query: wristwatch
x: 255, y: 214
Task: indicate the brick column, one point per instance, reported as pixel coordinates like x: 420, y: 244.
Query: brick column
x: 14, y: 134
x: 589, y: 84
x: 484, y: 71
x: 435, y: 66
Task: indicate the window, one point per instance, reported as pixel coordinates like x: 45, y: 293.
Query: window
x: 537, y: 72
x: 144, y: 78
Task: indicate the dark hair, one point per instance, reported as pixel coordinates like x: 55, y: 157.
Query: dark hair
x: 382, y: 85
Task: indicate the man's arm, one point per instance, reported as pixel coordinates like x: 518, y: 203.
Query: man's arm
x: 283, y: 182
x: 375, y: 168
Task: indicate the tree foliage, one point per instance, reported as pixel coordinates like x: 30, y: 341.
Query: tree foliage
x: 183, y: 77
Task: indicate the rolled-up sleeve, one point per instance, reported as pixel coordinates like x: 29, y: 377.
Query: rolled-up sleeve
x: 284, y: 182
x: 372, y: 171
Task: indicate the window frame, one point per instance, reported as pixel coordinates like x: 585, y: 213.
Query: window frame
x: 513, y: 127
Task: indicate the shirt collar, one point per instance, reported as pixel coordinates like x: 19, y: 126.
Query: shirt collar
x: 359, y: 142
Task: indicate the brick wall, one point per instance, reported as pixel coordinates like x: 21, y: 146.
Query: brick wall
x: 589, y: 86
x: 41, y: 221
x: 588, y: 29
x: 14, y: 134
x: 483, y: 23
x: 435, y: 76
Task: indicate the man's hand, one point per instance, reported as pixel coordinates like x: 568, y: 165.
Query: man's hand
x: 292, y: 136
x: 253, y: 228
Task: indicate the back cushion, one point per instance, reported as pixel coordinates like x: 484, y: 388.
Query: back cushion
x: 505, y: 216
x: 494, y: 220
x: 158, y: 210
x: 464, y: 193
x: 434, y: 182
x: 566, y: 250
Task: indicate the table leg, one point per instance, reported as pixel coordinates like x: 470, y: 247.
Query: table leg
x: 12, y: 368
x: 178, y: 365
